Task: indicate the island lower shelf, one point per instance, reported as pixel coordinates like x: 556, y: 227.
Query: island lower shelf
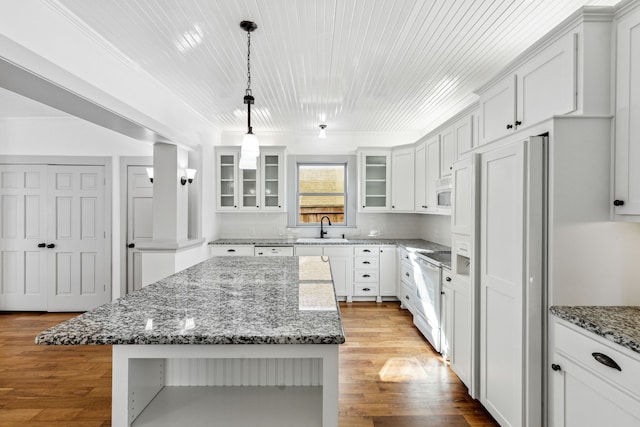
x: 233, y: 406
x: 225, y: 385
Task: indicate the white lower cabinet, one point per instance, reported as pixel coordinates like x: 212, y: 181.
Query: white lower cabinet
x: 388, y: 271
x: 587, y: 392
x: 374, y: 272
x: 341, y: 260
x: 273, y: 251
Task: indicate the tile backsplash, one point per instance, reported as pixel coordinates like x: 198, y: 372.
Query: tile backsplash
x: 436, y: 228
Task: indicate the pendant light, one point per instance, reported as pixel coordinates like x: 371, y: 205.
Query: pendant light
x: 250, y: 149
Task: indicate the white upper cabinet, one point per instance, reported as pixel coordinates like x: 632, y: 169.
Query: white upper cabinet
x: 420, y: 186
x: 427, y: 172
x: 260, y: 189
x: 375, y: 180
x: 547, y: 84
x: 498, y: 110
x: 272, y: 179
x: 433, y: 172
x: 447, y: 148
x: 626, y: 198
x: 568, y: 71
x: 543, y: 86
x: 402, y: 179
x: 227, y: 179
x: 463, y: 136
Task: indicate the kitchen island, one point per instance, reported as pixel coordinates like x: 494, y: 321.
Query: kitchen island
x: 228, y: 342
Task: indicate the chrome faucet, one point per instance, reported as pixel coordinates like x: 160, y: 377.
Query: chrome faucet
x: 322, y: 232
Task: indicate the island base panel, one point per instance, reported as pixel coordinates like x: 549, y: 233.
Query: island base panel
x: 233, y: 407
x: 141, y: 393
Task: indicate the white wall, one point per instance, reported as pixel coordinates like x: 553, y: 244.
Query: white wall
x: 75, y: 137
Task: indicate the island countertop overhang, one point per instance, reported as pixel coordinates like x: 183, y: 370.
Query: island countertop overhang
x: 223, y: 300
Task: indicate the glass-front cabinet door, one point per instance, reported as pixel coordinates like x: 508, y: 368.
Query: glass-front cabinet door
x: 227, y: 178
x: 259, y: 189
x: 249, y: 189
x: 272, y: 168
x: 375, y: 181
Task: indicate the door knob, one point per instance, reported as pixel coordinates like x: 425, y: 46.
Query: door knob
x: 51, y: 245
x: 42, y: 245
x: 131, y: 245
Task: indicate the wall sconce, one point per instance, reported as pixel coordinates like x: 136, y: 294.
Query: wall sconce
x: 191, y: 173
x: 150, y: 174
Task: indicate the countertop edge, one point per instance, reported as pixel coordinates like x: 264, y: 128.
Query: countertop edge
x: 587, y: 318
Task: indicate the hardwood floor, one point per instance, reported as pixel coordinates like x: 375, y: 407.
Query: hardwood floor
x: 389, y: 376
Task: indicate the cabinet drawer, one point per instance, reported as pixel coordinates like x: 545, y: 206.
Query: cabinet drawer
x: 365, y: 290
x: 406, y: 274
x: 579, y: 346
x: 274, y: 251
x: 308, y: 250
x: 365, y: 276
x: 405, y: 255
x: 406, y: 297
x: 365, y: 251
x: 235, y: 250
x: 366, y: 263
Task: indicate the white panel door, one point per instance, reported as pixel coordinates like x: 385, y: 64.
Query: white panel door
x: 76, y: 226
x: 501, y: 276
x: 139, y: 224
x: 23, y: 237
x: 511, y: 216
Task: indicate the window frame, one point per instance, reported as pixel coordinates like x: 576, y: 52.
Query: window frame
x: 350, y: 187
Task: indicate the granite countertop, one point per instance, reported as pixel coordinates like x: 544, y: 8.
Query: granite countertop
x: 440, y: 253
x: 223, y: 300
x: 619, y: 324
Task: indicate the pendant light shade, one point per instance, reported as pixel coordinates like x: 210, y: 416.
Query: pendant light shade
x: 323, y: 132
x: 250, y: 145
x: 250, y: 149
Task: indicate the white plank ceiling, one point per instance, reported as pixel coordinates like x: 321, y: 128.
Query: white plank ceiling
x: 358, y: 65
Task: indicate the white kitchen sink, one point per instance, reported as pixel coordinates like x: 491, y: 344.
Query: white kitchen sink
x: 319, y: 240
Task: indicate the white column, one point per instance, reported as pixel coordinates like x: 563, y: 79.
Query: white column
x: 170, y: 197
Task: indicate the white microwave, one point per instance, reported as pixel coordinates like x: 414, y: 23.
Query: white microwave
x: 443, y: 193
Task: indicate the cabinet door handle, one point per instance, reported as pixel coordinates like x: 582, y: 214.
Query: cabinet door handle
x: 556, y: 367
x: 406, y: 297
x: 618, y: 203
x: 42, y: 245
x: 509, y: 126
x: 407, y: 274
x: 448, y: 279
x: 231, y: 250
x: 366, y: 262
x: 518, y: 122
x: 131, y: 245
x: 366, y: 289
x: 606, y: 360
x: 366, y: 275
x: 260, y: 253
x: 51, y: 246
x: 366, y: 250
